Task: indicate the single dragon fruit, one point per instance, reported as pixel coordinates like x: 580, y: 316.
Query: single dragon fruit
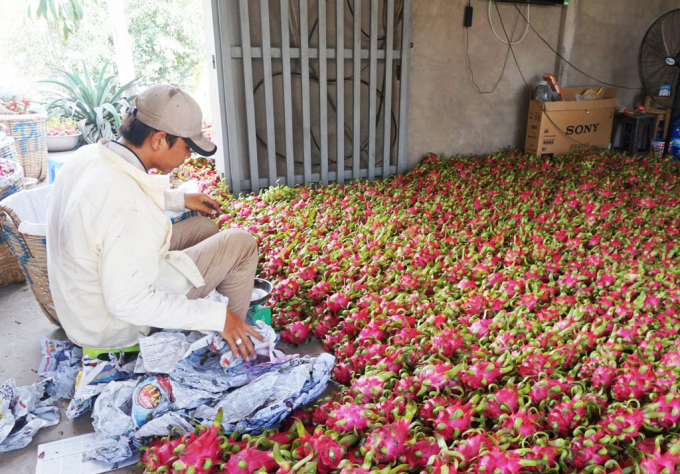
x: 623, y: 423
x: 658, y: 463
x: 480, y: 374
x: 566, y: 416
x: 389, y: 441
x: 297, y: 334
x: 500, y: 462
x: 435, y: 376
x: 249, y: 460
x: 336, y: 302
x: 588, y: 451
x: 505, y: 400
x: 633, y: 382
x: 447, y: 342
x: 419, y: 453
x: 453, y: 420
x: 160, y: 452
x: 324, y: 448
x: 549, y: 388
x: 371, y: 386
x: 473, y: 444
x: 666, y: 411
x: 349, y: 417
x: 199, y: 456
x: 524, y: 422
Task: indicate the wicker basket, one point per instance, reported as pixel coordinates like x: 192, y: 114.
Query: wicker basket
x: 29, y: 131
x: 10, y: 271
x: 31, y: 252
x: 8, y: 150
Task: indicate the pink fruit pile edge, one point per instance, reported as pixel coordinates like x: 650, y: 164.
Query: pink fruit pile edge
x: 489, y: 314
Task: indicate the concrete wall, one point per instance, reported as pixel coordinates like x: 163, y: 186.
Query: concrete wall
x: 448, y: 115
x: 607, y: 41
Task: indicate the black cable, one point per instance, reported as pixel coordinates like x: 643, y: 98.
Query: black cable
x: 380, y: 38
x: 529, y: 87
x: 566, y: 61
x: 333, y: 80
x: 262, y: 142
x: 469, y: 60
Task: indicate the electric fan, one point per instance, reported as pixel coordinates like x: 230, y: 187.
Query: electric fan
x: 659, y: 65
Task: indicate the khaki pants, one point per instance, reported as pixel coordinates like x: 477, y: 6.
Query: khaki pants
x: 227, y: 260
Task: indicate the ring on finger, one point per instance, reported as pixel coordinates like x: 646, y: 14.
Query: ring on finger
x: 239, y: 341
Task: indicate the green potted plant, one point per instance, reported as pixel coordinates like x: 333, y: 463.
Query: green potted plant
x: 62, y: 134
x: 93, y: 100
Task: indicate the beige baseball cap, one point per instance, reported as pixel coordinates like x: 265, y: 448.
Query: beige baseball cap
x: 173, y: 111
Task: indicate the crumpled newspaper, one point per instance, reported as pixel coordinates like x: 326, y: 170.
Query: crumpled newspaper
x: 199, y: 386
x: 268, y: 399
x: 93, y: 379
x: 61, y: 362
x: 160, y: 352
x: 23, y: 411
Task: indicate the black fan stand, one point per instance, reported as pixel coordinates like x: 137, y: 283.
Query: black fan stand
x: 674, y: 113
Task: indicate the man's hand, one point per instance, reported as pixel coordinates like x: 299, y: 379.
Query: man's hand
x: 236, y: 329
x: 201, y: 203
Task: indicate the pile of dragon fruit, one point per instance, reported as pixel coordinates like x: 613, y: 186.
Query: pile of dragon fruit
x: 489, y: 314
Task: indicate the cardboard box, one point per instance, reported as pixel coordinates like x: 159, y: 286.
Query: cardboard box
x: 556, y: 128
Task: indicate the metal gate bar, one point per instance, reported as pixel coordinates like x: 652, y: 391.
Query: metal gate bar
x: 268, y: 89
x: 246, y: 171
x: 323, y: 93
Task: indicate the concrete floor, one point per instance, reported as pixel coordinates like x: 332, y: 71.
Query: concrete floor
x: 25, y: 325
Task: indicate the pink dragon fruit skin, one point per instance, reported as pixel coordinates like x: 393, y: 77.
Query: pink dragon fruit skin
x: 567, y: 415
x: 524, y: 422
x: 633, y: 382
x: 471, y: 446
x: 480, y: 374
x: 199, y: 455
x: 622, y: 423
x: 297, y: 334
x: 669, y: 406
x: 420, y: 452
x: 447, y: 342
x: 603, y: 376
x: 453, y: 420
x: 500, y: 462
x: 428, y: 407
x: 336, y: 302
x: 370, y: 386
x: 348, y: 417
x: 549, y: 388
x: 546, y: 455
x: 503, y: 401
x: 587, y: 451
x: 660, y: 463
x: 434, y: 377
x: 287, y: 288
x: 671, y: 359
x: 249, y: 460
x: 388, y: 442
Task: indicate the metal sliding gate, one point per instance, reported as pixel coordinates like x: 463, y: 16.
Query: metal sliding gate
x: 312, y: 91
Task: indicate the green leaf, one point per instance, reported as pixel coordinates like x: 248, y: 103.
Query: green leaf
x: 55, y: 12
x: 42, y: 9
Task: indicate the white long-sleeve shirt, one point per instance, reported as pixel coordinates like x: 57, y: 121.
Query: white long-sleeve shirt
x: 173, y: 198
x: 112, y: 277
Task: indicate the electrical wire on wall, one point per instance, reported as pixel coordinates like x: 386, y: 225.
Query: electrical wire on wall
x: 509, y: 41
x: 567, y: 61
x: 294, y: 26
x: 581, y: 144
x: 505, y: 62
